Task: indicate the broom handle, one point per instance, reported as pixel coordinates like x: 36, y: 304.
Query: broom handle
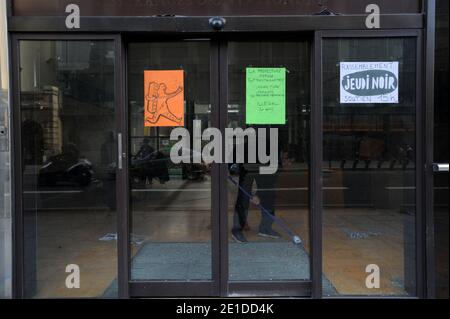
x: 277, y: 220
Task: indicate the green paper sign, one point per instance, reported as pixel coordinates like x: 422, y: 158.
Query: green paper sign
x: 265, y: 96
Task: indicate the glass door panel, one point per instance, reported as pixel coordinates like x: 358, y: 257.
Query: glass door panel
x: 369, y: 166
x: 268, y: 213
x: 68, y: 134
x: 170, y: 202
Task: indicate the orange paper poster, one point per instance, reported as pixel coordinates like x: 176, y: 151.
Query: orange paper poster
x: 164, y: 98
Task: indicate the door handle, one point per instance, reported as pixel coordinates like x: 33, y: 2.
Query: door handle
x: 119, y: 151
x: 440, y: 168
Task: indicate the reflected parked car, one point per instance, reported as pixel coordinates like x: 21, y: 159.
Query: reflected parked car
x: 194, y: 171
x: 149, y: 167
x: 65, y: 169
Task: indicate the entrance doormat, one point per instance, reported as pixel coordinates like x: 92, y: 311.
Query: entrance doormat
x: 252, y: 261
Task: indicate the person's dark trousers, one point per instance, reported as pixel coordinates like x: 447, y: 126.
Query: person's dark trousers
x: 266, y: 194
x: 242, y: 201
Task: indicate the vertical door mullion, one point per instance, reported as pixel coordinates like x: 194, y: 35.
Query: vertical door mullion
x: 122, y: 187
x: 16, y: 180
x: 428, y: 112
x: 420, y: 173
x: 316, y: 170
x: 215, y: 169
x: 223, y: 114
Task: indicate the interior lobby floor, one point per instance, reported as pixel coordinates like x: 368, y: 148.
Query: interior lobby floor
x: 177, y: 215
x: 73, y: 237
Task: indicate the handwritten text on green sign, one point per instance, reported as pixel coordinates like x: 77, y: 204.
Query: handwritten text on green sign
x: 265, y: 96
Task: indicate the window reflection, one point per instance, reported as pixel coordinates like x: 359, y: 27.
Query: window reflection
x: 68, y: 168
x: 267, y: 212
x: 170, y: 202
x: 369, y: 174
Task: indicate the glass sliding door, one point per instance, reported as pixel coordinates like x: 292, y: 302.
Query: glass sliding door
x: 370, y: 197
x: 254, y: 200
x: 175, y: 206
x: 68, y: 169
x: 246, y: 220
x: 268, y: 211
x: 170, y: 199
